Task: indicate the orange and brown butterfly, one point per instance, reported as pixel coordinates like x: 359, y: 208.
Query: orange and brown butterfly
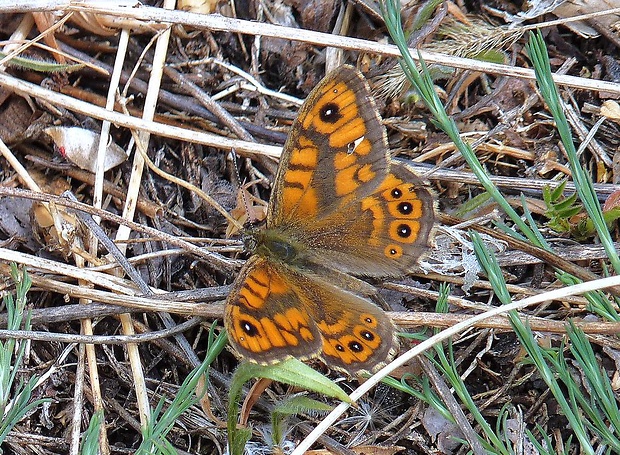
x: 340, y: 206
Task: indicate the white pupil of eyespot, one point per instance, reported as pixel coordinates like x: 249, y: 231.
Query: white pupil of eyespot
x: 355, y: 144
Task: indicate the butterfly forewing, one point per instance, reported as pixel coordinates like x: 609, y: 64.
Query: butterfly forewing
x: 339, y: 194
x: 336, y: 152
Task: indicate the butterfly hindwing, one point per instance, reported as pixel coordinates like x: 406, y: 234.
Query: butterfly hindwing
x: 358, y: 336
x: 267, y: 319
x: 382, y: 234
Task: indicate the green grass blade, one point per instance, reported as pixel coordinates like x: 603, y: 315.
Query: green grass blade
x: 154, y: 435
x: 583, y: 183
x: 90, y: 439
x: 15, y: 399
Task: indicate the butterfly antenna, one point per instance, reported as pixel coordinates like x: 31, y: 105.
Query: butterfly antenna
x: 241, y: 188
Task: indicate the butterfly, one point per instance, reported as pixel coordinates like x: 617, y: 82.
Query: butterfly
x: 340, y: 206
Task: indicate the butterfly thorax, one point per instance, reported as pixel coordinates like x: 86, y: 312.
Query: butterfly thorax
x: 274, y: 245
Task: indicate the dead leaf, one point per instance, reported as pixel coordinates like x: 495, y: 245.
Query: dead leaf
x: 572, y: 8
x: 198, y: 6
x: 79, y: 146
x: 611, y: 110
x: 446, y: 434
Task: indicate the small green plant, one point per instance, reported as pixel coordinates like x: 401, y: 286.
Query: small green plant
x: 15, y: 397
x: 292, y: 372
x: 567, y: 215
x: 560, y: 208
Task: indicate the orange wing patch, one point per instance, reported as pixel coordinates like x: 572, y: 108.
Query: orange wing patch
x: 350, y: 174
x: 353, y: 346
x: 258, y: 286
x: 337, y: 116
x: 398, y: 202
x: 297, y: 194
x: 256, y: 329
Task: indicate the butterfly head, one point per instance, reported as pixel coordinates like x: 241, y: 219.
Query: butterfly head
x: 250, y: 240
x: 273, y: 245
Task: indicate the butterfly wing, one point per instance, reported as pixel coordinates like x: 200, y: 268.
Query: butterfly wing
x: 383, y: 233
x: 336, y: 149
x: 267, y: 318
x: 276, y: 312
x: 357, y: 335
x: 337, y: 192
